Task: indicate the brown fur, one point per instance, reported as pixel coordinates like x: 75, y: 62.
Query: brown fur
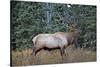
x: 67, y: 37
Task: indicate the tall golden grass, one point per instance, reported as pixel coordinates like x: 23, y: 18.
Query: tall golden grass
x: 52, y: 57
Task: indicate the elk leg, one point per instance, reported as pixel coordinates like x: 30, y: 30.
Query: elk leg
x: 37, y: 50
x: 62, y: 52
x: 76, y: 44
x: 33, y: 49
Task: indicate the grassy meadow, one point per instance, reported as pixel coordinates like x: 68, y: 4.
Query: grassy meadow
x: 52, y: 57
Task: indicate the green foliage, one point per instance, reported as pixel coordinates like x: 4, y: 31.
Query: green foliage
x: 31, y: 18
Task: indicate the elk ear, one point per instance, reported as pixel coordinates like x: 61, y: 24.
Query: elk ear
x: 71, y: 29
x: 74, y: 25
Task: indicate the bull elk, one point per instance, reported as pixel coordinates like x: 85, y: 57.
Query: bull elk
x: 56, y: 40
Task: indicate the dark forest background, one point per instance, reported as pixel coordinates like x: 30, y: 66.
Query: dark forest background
x: 31, y: 18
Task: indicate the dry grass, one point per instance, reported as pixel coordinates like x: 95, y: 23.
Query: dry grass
x: 52, y: 57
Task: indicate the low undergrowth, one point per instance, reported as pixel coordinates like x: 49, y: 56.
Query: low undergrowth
x: 52, y: 57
